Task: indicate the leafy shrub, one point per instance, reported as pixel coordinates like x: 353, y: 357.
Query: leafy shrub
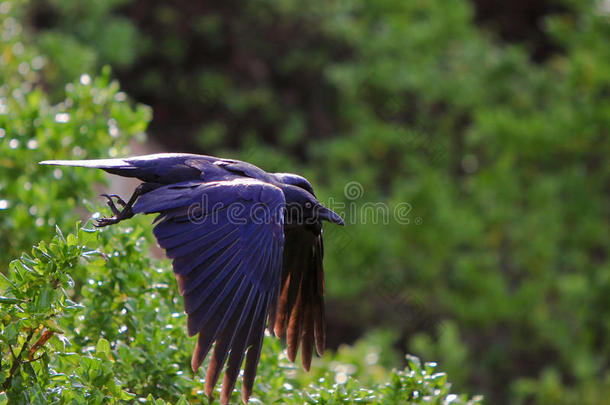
x: 93, y: 119
x: 504, y: 278
x: 89, y: 317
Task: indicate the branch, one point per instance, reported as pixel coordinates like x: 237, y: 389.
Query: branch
x: 17, y: 360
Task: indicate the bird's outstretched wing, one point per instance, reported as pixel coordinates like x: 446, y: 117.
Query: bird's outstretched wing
x: 226, y: 241
x: 300, y: 311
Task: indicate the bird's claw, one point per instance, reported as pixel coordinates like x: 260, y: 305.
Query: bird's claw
x: 119, y: 200
x: 111, y: 204
x: 102, y: 222
x: 119, y: 215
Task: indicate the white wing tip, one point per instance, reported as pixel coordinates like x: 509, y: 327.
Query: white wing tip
x: 95, y: 163
x: 64, y: 162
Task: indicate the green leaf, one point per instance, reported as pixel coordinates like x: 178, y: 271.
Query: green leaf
x: 103, y: 347
x: 9, y: 301
x: 72, y: 240
x: 182, y: 400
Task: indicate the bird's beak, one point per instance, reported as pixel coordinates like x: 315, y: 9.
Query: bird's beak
x: 330, y: 216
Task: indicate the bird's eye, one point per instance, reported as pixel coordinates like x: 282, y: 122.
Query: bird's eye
x: 307, y: 205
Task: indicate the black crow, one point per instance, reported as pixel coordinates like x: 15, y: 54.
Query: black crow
x: 246, y: 248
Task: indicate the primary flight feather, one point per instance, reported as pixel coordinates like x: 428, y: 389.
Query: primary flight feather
x: 246, y: 248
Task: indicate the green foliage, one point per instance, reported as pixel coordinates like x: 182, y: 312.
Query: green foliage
x: 93, y: 119
x: 89, y: 317
x: 94, y: 36
x: 501, y: 273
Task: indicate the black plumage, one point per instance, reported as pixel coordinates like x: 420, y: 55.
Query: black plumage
x: 247, y: 251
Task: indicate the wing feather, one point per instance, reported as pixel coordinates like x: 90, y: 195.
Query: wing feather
x: 255, y: 341
x: 300, y: 304
x: 228, y: 266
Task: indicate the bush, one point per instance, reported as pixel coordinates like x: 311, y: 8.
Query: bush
x: 501, y: 273
x: 93, y: 119
x: 90, y: 318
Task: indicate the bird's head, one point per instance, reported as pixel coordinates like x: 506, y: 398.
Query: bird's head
x: 302, y: 208
x: 295, y: 180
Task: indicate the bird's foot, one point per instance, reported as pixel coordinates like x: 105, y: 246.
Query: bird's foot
x: 119, y: 215
x: 102, y: 222
x: 111, y: 204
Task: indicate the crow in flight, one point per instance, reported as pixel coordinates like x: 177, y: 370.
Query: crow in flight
x: 246, y: 248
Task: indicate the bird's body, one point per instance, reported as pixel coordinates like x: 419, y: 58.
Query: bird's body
x: 246, y: 248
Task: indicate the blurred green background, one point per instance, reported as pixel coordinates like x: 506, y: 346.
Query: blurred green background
x: 489, y: 121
